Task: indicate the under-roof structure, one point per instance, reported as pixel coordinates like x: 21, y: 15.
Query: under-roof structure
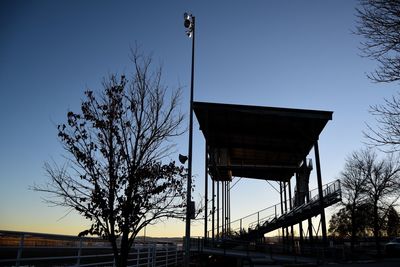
x: 258, y: 142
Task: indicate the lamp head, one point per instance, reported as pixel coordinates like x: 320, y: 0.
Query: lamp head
x: 188, y: 22
x: 183, y: 159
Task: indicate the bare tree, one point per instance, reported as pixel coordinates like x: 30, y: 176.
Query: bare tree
x: 383, y: 184
x: 116, y: 173
x: 353, y: 179
x: 387, y: 132
x: 379, y: 23
x: 370, y: 187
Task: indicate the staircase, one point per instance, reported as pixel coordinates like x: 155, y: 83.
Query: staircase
x: 257, y: 229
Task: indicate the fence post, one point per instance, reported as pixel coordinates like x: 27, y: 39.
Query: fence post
x: 148, y: 256
x: 20, y: 248
x: 176, y: 255
x: 137, y: 256
x: 154, y: 256
x: 78, y: 260
x: 166, y: 255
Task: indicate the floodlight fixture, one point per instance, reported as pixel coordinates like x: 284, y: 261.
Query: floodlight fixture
x: 189, y: 24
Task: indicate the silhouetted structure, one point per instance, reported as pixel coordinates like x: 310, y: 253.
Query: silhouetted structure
x: 264, y: 143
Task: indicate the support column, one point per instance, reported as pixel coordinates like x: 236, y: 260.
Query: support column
x: 286, y: 210
x: 223, y: 208
x: 205, y: 192
x: 310, y: 226
x: 217, y: 209
x: 320, y: 193
x: 283, y: 229
x: 298, y: 197
x: 301, y: 237
x: 213, y: 212
x: 229, y: 206
x: 291, y: 207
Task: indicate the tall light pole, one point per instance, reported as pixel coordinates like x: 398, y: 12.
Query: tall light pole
x: 189, y: 22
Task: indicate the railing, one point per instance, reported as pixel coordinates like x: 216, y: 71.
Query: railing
x: 17, y: 249
x: 270, y: 213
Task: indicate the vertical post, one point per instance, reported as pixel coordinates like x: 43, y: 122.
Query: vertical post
x: 226, y: 208
x: 148, y: 256
x: 283, y: 229
x: 291, y: 207
x: 217, y: 210
x: 137, y: 256
x: 78, y: 260
x: 213, y: 212
x: 176, y: 255
x: 301, y: 236
x: 223, y: 208
x: 189, y: 180
x: 166, y: 255
x: 286, y: 210
x: 205, y: 192
x: 298, y: 196
x: 310, y: 226
x: 20, y: 249
x: 320, y: 193
x: 229, y: 206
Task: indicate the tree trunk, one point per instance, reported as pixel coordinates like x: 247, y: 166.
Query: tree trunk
x: 376, y: 229
x: 353, y: 230
x: 124, y: 249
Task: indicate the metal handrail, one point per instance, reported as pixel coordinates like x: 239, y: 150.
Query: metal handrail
x: 150, y: 254
x: 328, y: 189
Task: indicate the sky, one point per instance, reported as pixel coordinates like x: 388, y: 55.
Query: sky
x: 293, y: 54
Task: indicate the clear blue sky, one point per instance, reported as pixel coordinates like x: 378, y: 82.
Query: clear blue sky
x: 298, y: 54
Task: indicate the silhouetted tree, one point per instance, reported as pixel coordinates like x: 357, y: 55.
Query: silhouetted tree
x: 382, y: 189
x: 353, y: 179
x: 393, y: 222
x: 340, y: 224
x: 343, y: 223
x: 379, y: 23
x: 387, y: 133
x: 116, y: 174
x: 370, y: 187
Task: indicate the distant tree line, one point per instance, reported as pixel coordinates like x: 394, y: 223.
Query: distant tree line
x: 370, y: 190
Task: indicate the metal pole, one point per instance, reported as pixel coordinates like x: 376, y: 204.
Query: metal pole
x: 213, y: 211
x: 189, y: 180
x: 300, y: 223
x: 320, y: 193
x: 223, y: 208
x: 229, y: 205
x: 291, y: 207
x: 310, y: 226
x: 217, y: 210
x: 283, y: 229
x: 205, y: 192
x: 286, y: 210
x: 20, y: 248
